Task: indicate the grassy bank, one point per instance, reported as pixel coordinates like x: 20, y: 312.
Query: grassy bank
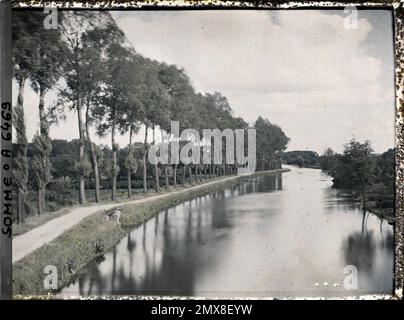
x: 75, y: 248
x: 382, y: 213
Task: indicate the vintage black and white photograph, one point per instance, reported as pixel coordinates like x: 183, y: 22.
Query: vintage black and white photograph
x: 203, y: 153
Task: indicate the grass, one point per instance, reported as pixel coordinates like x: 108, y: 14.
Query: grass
x: 74, y: 248
x: 33, y: 222
x: 92, y: 237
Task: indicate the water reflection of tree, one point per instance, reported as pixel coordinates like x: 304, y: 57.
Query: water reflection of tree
x: 130, y: 246
x: 95, y: 278
x: 219, y: 212
x: 341, y: 199
x: 173, y: 268
x: 359, y: 249
x: 268, y: 183
x: 387, y: 238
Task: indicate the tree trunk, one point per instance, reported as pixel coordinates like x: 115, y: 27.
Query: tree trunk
x: 21, y: 150
x: 42, y: 118
x: 44, y: 154
x: 190, y: 174
x: 175, y: 175
x: 82, y: 195
x: 167, y: 182
x: 43, y: 193
x: 114, y: 160
x: 363, y: 221
x: 94, y: 161
x: 130, y: 155
x: 144, y: 162
x: 364, y: 211
x: 113, y: 193
x: 156, y: 168
x: 129, y: 184
x: 40, y: 201
x: 166, y: 177
x: 183, y: 175
x: 20, y: 206
x: 364, y: 203
x: 198, y: 168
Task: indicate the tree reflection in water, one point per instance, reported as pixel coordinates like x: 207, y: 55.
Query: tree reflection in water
x: 360, y: 250
x: 232, y: 241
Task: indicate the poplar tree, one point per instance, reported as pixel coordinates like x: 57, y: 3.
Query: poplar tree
x: 24, y: 25
x: 75, y: 27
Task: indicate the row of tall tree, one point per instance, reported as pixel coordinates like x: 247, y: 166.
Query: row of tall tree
x: 97, y: 74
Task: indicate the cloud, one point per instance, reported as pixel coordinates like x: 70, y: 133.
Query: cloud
x: 302, y: 69
x: 247, y: 50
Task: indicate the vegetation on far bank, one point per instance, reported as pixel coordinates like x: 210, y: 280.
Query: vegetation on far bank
x: 370, y: 176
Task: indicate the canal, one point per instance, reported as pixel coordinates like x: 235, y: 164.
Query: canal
x: 284, y: 235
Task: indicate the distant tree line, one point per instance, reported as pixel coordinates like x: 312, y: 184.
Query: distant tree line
x: 111, y: 88
x: 303, y: 158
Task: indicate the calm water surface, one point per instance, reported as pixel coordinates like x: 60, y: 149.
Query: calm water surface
x: 279, y: 235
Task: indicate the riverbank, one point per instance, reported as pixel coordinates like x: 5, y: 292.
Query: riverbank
x: 384, y: 214
x: 94, y: 235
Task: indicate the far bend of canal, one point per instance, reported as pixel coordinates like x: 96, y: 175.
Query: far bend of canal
x: 285, y: 235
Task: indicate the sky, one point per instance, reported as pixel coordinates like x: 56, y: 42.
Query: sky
x: 322, y: 83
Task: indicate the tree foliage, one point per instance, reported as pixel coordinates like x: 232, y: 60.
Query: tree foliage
x: 369, y: 175
x: 113, y: 90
